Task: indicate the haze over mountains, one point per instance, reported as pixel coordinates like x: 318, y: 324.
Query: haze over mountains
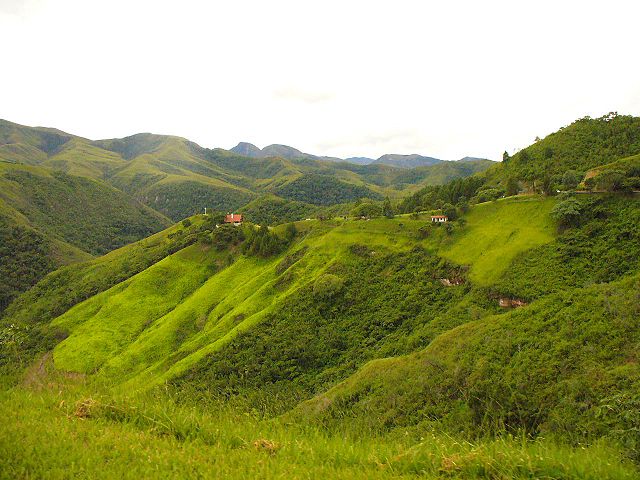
x: 391, y: 159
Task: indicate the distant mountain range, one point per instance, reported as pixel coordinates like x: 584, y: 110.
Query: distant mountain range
x: 391, y: 159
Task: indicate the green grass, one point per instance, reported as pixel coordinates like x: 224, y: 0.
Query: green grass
x: 496, y: 232
x: 43, y: 437
x: 194, y: 303
x: 390, y: 357
x: 103, y: 325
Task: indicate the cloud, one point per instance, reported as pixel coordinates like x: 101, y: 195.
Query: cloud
x: 296, y: 94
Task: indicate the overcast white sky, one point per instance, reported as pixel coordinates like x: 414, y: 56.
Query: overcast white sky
x: 343, y: 78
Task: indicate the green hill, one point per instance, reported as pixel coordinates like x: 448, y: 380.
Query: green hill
x: 178, y: 178
x: 581, y: 146
x: 54, y: 219
x: 353, y: 327
x: 564, y: 160
x: 501, y: 344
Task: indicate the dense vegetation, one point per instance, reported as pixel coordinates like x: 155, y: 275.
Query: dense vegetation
x: 324, y: 190
x: 83, y: 212
x: 603, y: 245
x: 317, y: 335
x: 560, y: 367
x: 273, y: 210
x: 50, y: 219
x: 25, y: 260
x: 184, y: 199
x: 581, y: 146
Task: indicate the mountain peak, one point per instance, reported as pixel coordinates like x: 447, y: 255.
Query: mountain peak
x: 247, y: 149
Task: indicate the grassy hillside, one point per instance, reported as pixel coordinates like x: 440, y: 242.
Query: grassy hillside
x: 562, y: 366
x: 496, y: 232
x: 32, y: 312
x: 355, y: 321
x: 155, y: 438
x: 263, y: 291
x: 72, y: 435
x: 340, y: 347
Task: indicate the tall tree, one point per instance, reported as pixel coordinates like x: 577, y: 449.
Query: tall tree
x: 387, y: 209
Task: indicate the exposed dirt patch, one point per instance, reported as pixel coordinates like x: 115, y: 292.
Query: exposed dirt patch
x: 43, y: 374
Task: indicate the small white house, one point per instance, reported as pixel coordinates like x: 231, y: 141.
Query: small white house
x: 439, y: 218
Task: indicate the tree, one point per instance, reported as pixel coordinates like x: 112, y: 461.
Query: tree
x: 505, y: 156
x: 512, y: 186
x: 448, y: 228
x: 571, y: 179
x: 366, y: 209
x: 424, y: 231
x: 611, y: 180
x: 290, y: 232
x: 630, y: 184
x: 450, y: 211
x: 327, y: 286
x: 567, y: 213
x: 547, y: 185
x: 548, y: 152
x: 387, y: 209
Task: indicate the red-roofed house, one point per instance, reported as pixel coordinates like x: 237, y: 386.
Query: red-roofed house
x: 234, y: 218
x: 439, y: 218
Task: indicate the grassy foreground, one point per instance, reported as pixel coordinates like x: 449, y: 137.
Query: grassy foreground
x: 67, y: 434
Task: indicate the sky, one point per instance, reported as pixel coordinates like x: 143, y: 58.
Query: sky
x: 338, y: 78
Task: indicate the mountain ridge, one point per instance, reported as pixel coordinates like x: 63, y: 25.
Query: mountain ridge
x: 390, y: 159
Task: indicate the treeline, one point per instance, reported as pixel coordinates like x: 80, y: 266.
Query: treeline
x: 581, y: 146
x: 457, y: 192
x: 252, y: 241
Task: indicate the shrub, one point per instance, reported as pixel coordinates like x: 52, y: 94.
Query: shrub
x: 226, y: 236
x: 367, y: 209
x: 327, y: 286
x: 611, y: 181
x: 567, y: 212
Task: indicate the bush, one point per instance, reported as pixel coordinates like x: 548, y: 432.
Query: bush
x: 226, y: 235
x: 611, y: 181
x: 567, y: 213
x: 367, y: 209
x: 327, y: 286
